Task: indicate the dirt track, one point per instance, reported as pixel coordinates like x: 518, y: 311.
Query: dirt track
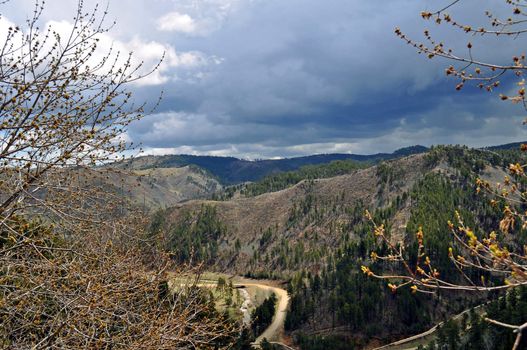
x: 275, y: 331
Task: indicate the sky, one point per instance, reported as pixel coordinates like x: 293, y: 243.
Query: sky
x: 283, y: 78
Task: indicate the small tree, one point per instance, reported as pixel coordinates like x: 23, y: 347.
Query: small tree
x: 484, y: 252
x: 63, y: 107
x: 73, y: 274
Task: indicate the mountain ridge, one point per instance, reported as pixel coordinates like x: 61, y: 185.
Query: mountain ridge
x: 231, y: 170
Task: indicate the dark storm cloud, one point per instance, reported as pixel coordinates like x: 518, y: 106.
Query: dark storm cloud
x: 271, y: 78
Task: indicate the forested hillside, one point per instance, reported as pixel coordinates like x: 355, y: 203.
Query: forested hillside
x: 159, y: 182
x: 283, y: 180
x: 296, y: 227
x: 314, y: 234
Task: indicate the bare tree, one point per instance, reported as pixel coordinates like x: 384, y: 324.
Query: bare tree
x: 479, y: 251
x: 64, y: 105
x: 467, y: 66
x: 76, y: 269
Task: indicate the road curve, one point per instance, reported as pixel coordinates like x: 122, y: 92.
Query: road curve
x: 275, y: 331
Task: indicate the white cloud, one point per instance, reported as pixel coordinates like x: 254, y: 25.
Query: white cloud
x: 199, y: 18
x: 177, y: 22
x: 5, y: 24
x: 145, y: 53
x: 181, y: 127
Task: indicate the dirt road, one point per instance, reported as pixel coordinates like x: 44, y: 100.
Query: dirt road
x: 275, y: 331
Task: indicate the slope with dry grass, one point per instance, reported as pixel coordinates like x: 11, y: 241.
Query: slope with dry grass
x: 163, y: 187
x: 310, y: 217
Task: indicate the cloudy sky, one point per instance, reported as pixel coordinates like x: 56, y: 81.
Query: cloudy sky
x: 281, y: 78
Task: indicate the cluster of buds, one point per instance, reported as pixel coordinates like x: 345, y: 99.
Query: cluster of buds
x: 516, y: 169
x: 507, y: 223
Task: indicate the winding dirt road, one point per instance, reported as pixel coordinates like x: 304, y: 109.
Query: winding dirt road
x: 275, y: 331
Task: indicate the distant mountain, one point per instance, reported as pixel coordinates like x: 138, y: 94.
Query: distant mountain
x: 174, y: 178
x: 507, y: 146
x: 230, y: 170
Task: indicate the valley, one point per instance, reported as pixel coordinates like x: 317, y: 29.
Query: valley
x: 302, y: 236
x: 312, y: 235
x: 240, y: 175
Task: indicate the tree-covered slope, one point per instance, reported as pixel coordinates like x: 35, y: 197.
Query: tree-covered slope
x: 299, y: 226
x: 314, y: 235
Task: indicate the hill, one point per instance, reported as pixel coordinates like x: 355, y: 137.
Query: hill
x: 159, y: 187
x: 312, y: 213
x: 161, y: 181
x: 318, y: 214
x: 507, y: 146
x: 314, y: 235
x: 230, y: 170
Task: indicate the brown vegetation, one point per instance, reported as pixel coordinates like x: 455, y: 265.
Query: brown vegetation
x: 248, y: 219
x: 76, y: 267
